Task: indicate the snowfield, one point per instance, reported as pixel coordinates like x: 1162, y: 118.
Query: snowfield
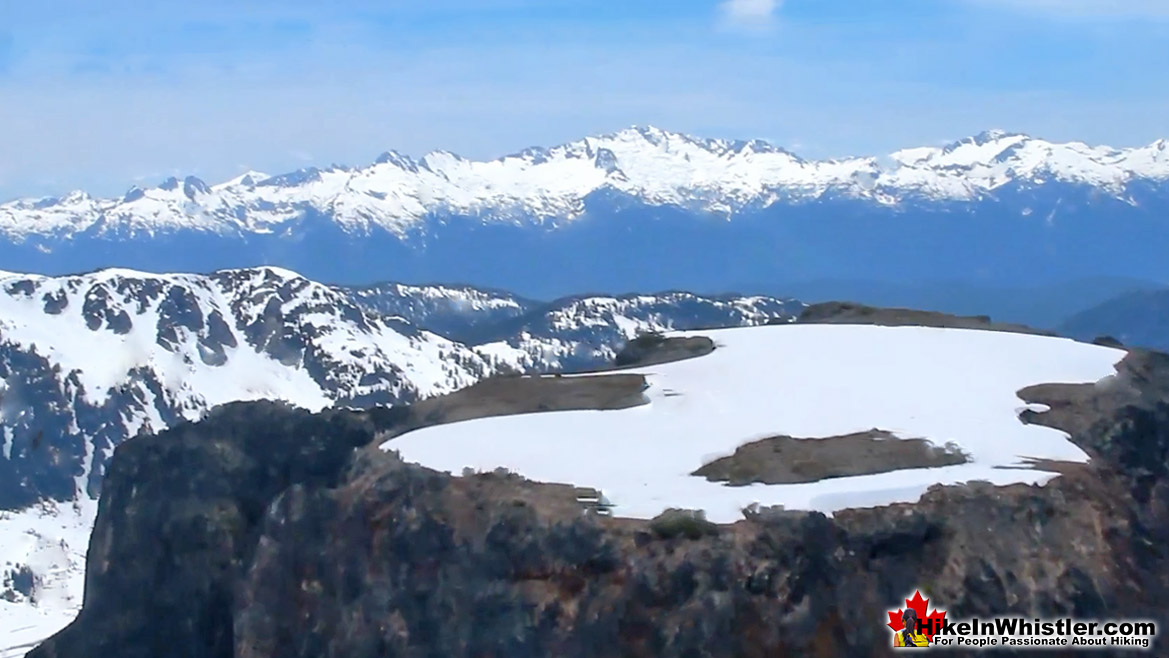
x: 52, y: 539
x: 805, y: 381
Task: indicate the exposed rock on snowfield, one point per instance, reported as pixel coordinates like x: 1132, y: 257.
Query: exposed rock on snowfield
x: 851, y: 313
x: 785, y: 460
x: 655, y: 349
x: 509, y: 395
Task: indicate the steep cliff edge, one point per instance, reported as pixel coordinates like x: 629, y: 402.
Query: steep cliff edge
x: 268, y: 532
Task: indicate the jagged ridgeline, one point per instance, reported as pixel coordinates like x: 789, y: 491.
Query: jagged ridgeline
x: 641, y: 209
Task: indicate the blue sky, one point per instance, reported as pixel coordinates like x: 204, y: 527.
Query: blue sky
x: 104, y: 95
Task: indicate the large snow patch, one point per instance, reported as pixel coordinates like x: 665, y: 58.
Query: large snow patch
x: 51, y: 539
x: 945, y: 385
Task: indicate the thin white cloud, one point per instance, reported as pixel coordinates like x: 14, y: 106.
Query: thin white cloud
x: 749, y: 14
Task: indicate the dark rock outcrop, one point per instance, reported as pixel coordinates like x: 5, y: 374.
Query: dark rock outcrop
x: 788, y: 460
x: 516, y: 394
x: 652, y: 349
x: 16, y: 582
x: 180, y: 519
x: 851, y: 313
x: 267, y: 532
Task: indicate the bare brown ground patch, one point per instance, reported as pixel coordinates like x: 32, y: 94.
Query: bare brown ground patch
x: 852, y: 313
x: 789, y: 460
x: 504, y: 396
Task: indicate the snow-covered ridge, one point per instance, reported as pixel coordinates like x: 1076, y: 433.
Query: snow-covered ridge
x: 398, y: 193
x: 805, y: 381
x: 444, y: 309
x: 89, y: 360
x: 231, y: 335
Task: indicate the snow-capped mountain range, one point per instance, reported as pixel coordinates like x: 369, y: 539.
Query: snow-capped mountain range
x: 397, y: 193
x: 630, y: 210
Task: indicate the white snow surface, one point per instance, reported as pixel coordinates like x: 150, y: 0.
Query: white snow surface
x: 805, y: 381
x: 397, y: 192
x: 51, y: 539
x: 354, y: 346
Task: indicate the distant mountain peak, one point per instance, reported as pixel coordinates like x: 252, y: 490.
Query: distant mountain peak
x: 650, y: 132
x: 247, y: 179
x: 647, y: 133
x: 193, y: 186
x: 293, y: 178
x: 758, y: 146
x: 991, y: 138
x: 398, y: 160
x: 995, y: 134
x: 133, y: 194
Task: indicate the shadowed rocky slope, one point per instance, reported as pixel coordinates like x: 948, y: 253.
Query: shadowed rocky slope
x: 267, y: 532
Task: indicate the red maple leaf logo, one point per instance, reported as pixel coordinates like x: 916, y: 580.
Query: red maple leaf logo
x: 919, y: 606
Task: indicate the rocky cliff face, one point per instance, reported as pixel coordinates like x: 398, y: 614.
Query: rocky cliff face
x: 186, y: 508
x: 265, y: 532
